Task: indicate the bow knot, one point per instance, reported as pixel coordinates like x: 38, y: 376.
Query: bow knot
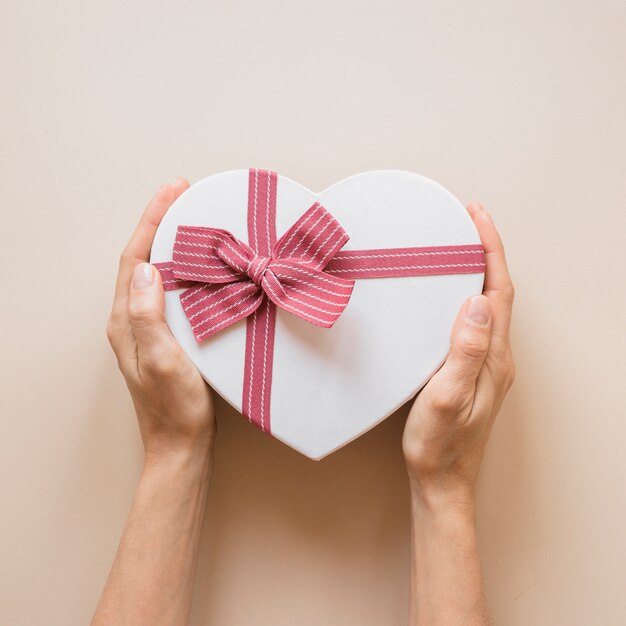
x: 256, y: 269
x: 229, y: 279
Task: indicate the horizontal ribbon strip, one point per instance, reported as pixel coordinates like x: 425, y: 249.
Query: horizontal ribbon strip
x: 424, y: 261
x: 303, y: 272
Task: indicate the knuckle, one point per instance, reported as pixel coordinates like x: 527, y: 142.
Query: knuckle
x: 140, y: 312
x: 473, y: 347
x: 160, y: 363
x: 125, y: 257
x: 507, y: 370
x: 442, y: 403
x: 113, y: 331
x: 509, y: 291
x: 448, y: 400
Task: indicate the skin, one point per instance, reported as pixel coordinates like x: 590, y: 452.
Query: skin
x: 444, y: 441
x: 151, y: 580
x: 152, y: 576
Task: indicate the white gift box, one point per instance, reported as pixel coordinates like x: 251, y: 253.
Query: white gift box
x: 330, y: 385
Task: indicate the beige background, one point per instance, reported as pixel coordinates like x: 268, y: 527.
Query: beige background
x: 518, y: 105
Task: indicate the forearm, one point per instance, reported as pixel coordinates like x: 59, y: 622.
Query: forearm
x: 151, y: 580
x: 446, y: 580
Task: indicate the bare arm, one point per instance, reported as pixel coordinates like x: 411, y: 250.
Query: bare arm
x: 151, y: 579
x: 444, y: 442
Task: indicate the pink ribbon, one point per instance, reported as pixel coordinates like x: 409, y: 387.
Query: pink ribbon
x: 303, y: 272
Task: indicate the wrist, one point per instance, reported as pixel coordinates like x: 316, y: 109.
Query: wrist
x: 193, y: 459
x: 441, y: 497
x: 178, y: 442
x: 444, y: 515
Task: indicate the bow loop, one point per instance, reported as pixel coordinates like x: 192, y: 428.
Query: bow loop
x: 209, y: 255
x: 235, y: 253
x: 315, y: 238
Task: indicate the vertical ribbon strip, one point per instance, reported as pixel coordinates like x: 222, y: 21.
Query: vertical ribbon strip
x: 257, y: 375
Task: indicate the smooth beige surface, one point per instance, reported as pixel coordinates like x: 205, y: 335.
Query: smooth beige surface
x: 518, y: 105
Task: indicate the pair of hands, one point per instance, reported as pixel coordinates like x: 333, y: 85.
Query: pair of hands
x: 449, y: 422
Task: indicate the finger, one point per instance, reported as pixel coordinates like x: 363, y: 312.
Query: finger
x: 140, y: 243
x: 157, y: 350
x: 454, y: 384
x: 138, y: 250
x: 498, y: 286
x: 473, y: 208
x: 497, y: 276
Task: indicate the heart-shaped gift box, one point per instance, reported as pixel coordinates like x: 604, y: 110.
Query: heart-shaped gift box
x: 316, y: 315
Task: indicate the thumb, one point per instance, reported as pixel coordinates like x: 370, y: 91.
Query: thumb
x: 146, y: 313
x: 469, y: 344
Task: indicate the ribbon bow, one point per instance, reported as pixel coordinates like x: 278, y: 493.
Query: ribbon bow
x: 304, y: 272
x: 235, y: 277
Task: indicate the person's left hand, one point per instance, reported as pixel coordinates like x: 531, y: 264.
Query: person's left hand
x: 450, y: 421
x: 174, y: 404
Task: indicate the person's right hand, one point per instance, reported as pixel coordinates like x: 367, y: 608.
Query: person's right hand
x: 174, y: 404
x: 450, y: 421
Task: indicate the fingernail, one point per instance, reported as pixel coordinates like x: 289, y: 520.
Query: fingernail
x: 143, y: 276
x: 480, y: 206
x: 478, y: 310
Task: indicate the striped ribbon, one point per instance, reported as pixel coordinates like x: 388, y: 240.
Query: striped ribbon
x: 303, y: 272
